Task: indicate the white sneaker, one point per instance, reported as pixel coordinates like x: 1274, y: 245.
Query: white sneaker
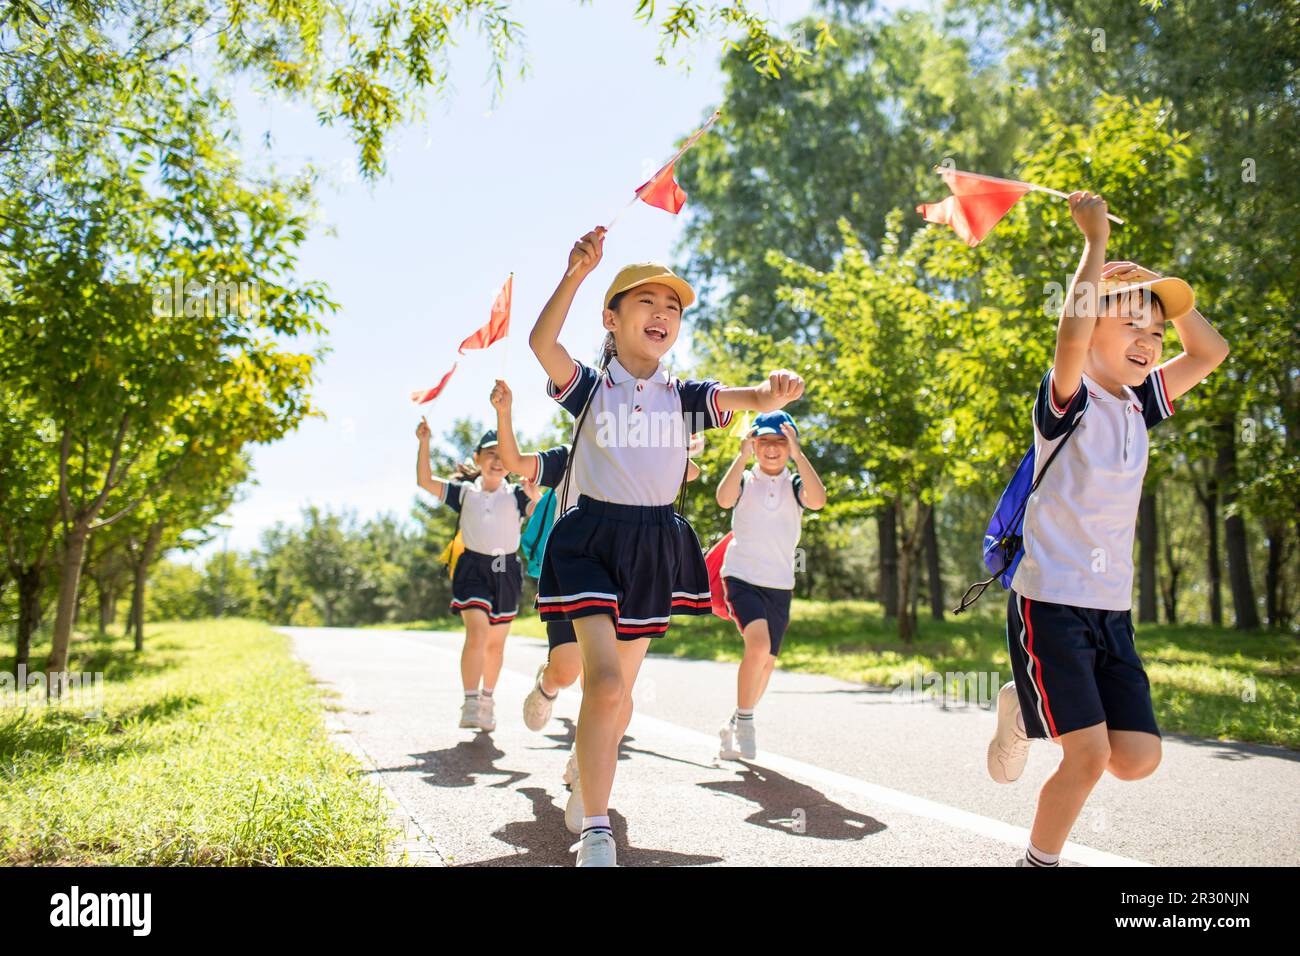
x: 487, y: 717
x: 573, y: 809
x: 1009, y: 748
x: 729, y: 750
x: 746, y: 740
x: 537, y: 707
x: 469, y: 712
x: 596, y: 848
x: 571, y: 769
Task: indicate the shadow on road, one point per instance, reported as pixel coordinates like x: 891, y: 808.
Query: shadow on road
x: 469, y: 763
x: 1235, y: 750
x: 543, y: 841
x: 795, y: 808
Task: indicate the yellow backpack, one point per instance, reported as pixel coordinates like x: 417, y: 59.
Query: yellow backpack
x: 451, y: 554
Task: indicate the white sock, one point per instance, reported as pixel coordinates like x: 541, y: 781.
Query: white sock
x: 744, y: 713
x: 599, y: 824
x: 471, y: 695
x: 487, y: 691
x: 1036, y: 857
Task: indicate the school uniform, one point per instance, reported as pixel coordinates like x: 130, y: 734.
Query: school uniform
x: 758, y: 568
x: 621, y: 549
x: 488, y: 574
x: 1069, y: 621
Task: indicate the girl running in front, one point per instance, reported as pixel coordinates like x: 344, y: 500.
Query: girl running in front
x: 622, y: 560
x: 486, y: 583
x: 758, y: 566
x: 563, y: 664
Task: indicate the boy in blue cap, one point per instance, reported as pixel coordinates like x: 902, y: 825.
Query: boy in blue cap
x: 758, y: 568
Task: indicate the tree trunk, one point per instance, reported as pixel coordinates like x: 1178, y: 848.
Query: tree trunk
x: 30, y: 581
x: 105, y: 609
x: 1273, y: 604
x: 74, y: 549
x: 1146, y: 530
x: 1173, y: 571
x: 141, y: 574
x: 887, y: 530
x: 1234, y: 533
x: 933, y: 566
x: 908, y: 560
x: 1209, y: 498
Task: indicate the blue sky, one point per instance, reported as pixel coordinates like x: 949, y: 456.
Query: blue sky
x: 477, y: 190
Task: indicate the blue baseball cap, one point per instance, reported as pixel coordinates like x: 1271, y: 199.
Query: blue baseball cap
x: 488, y: 440
x: 769, y: 423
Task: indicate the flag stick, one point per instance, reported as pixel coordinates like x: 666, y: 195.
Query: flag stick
x: 691, y: 141
x: 1017, y: 182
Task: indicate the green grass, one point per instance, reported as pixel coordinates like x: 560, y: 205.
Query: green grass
x: 1207, y: 682
x: 209, y: 749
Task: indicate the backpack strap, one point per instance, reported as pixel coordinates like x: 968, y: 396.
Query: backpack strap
x: 573, y: 445
x: 979, y: 587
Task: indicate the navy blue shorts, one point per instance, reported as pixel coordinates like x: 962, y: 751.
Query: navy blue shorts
x: 488, y: 582
x: 750, y: 602
x: 636, y: 564
x: 559, y: 633
x: 1075, y: 667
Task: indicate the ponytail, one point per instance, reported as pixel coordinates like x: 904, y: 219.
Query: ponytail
x: 464, y: 471
x: 607, y: 351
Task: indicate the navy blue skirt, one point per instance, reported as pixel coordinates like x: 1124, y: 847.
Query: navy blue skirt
x: 488, y: 582
x: 634, y: 563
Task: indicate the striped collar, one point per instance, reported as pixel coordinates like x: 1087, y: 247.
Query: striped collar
x: 616, y: 374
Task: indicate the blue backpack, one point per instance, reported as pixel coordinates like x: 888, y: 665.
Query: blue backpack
x: 538, y: 529
x: 1004, y: 542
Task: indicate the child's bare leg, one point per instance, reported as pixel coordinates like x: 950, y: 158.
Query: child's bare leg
x: 471, y: 655
x: 494, y: 652
x: 1133, y: 754
x: 1085, y: 755
x: 768, y: 666
x: 609, y: 668
x: 750, y: 680
x: 562, y: 668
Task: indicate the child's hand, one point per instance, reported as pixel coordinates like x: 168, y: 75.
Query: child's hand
x: 1089, y: 212
x: 532, y: 490
x: 792, y: 437
x: 501, y: 396
x: 422, y: 430
x: 747, y: 448
x: 696, y: 445
x: 781, y: 388
x: 586, y: 253
x: 1128, y: 272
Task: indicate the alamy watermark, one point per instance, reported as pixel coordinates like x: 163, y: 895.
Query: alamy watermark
x: 78, y: 691
x: 951, y: 688
x: 193, y: 299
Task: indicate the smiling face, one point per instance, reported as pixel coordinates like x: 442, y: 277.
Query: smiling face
x: 772, y: 452
x: 645, y: 321
x: 489, y: 462
x: 1127, y: 340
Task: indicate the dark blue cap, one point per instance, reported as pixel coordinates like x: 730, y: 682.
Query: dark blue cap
x: 769, y: 423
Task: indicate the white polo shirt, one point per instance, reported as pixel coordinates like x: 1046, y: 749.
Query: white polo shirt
x: 633, y: 445
x: 766, y: 524
x: 489, y: 520
x: 1079, y: 524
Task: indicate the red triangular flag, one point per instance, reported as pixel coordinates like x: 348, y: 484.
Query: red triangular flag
x: 428, y: 395
x: 662, y: 192
x: 498, y: 325
x: 976, y: 205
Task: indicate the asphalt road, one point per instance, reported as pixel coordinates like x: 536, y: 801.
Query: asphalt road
x: 846, y: 774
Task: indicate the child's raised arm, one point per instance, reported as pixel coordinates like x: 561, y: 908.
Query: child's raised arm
x: 507, y: 447
x: 544, y: 340
x: 1079, y: 313
x: 728, y: 492
x: 813, y: 494
x: 781, y: 388
x: 1204, y: 349
x: 423, y: 470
